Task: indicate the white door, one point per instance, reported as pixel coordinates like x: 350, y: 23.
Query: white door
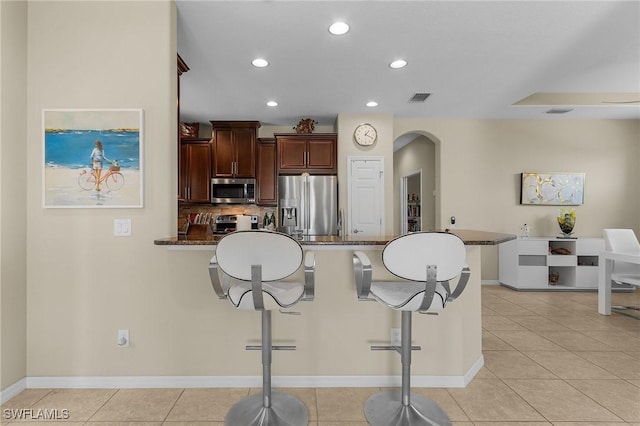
x: 366, y: 196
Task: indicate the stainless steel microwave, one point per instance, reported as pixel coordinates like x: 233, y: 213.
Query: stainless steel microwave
x: 233, y: 191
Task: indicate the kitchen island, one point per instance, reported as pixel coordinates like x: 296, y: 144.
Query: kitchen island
x: 334, y: 332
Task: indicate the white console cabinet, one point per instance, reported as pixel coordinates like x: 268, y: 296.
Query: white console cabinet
x: 549, y: 263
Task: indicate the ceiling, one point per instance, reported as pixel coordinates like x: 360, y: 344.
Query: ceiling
x: 476, y: 58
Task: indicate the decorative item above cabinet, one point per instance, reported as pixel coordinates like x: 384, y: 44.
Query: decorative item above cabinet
x: 189, y: 130
x: 234, y: 148
x: 313, y: 153
x: 306, y: 125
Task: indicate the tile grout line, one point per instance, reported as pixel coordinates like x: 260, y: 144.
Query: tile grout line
x: 527, y: 402
x: 173, y: 406
x: 459, y: 406
x: 102, y: 406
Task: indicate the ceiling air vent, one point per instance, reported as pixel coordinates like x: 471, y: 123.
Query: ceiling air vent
x: 419, y: 97
x: 559, y: 110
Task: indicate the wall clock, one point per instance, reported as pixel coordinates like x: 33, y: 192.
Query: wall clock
x: 365, y: 134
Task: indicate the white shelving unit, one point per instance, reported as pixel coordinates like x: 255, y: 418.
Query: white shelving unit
x: 413, y: 216
x: 532, y: 263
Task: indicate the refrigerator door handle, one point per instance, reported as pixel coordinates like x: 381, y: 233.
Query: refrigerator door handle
x: 307, y: 209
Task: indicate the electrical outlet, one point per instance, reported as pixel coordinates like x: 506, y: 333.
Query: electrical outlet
x: 396, y: 337
x: 123, y: 338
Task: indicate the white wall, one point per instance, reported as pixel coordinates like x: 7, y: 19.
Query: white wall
x: 419, y: 154
x: 83, y: 283
x: 13, y: 190
x: 481, y: 162
x: 383, y: 123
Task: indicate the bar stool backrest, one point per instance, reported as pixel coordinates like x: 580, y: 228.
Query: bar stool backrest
x: 408, y: 256
x: 621, y: 240
x: 278, y: 254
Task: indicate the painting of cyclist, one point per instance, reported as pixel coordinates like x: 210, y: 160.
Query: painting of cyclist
x: 96, y: 159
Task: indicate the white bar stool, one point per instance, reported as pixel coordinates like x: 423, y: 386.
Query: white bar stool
x: 624, y: 241
x: 425, y: 262
x: 246, y: 270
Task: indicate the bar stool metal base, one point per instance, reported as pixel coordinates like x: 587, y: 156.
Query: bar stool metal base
x: 285, y: 410
x: 386, y: 409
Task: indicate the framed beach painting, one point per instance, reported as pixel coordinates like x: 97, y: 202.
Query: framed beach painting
x: 92, y: 158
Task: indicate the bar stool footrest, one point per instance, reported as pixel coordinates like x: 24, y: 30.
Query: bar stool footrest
x: 393, y: 348
x: 273, y: 348
x: 285, y: 410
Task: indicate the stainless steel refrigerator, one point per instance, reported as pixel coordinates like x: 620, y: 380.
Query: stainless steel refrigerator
x: 308, y: 205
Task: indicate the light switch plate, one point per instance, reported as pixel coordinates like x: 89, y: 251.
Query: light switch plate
x: 121, y: 227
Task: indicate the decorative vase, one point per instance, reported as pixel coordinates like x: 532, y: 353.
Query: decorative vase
x: 306, y: 125
x: 566, y: 221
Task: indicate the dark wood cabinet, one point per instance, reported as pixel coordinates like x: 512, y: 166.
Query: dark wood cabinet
x: 234, y: 148
x: 194, y: 171
x: 311, y: 153
x: 266, y: 176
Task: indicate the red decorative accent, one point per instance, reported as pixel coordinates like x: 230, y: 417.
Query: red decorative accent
x: 306, y: 125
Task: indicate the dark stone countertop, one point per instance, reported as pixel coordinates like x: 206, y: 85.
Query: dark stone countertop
x: 470, y: 237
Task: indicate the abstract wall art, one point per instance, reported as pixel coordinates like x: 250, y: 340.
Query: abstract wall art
x: 552, y: 188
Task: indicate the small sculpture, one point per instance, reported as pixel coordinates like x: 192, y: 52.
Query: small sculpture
x: 525, y: 230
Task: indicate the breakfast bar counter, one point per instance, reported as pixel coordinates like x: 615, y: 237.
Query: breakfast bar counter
x: 470, y: 237
x: 334, y: 332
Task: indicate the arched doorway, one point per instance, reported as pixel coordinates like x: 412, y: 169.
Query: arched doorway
x: 415, y: 182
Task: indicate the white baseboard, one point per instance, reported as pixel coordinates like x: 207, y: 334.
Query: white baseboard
x: 129, y: 382
x: 490, y: 282
x: 13, y: 390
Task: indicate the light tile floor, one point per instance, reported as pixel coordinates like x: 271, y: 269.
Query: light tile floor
x: 550, y: 359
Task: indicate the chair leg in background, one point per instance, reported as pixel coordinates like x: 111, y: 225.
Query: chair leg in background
x: 621, y: 310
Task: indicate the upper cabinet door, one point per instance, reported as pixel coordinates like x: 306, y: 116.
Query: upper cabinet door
x: 322, y: 154
x: 223, y: 153
x: 307, y: 153
x: 234, y: 152
x: 245, y: 141
x: 266, y: 178
x: 292, y: 154
x: 199, y: 159
x: 194, y: 173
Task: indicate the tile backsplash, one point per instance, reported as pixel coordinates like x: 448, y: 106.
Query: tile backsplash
x: 184, y: 210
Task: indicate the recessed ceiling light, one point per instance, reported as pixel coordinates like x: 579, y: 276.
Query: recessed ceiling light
x: 272, y: 103
x: 398, y: 63
x: 372, y: 104
x: 338, y: 28
x: 260, y: 62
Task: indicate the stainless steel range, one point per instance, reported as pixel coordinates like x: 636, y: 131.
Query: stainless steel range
x: 229, y: 222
